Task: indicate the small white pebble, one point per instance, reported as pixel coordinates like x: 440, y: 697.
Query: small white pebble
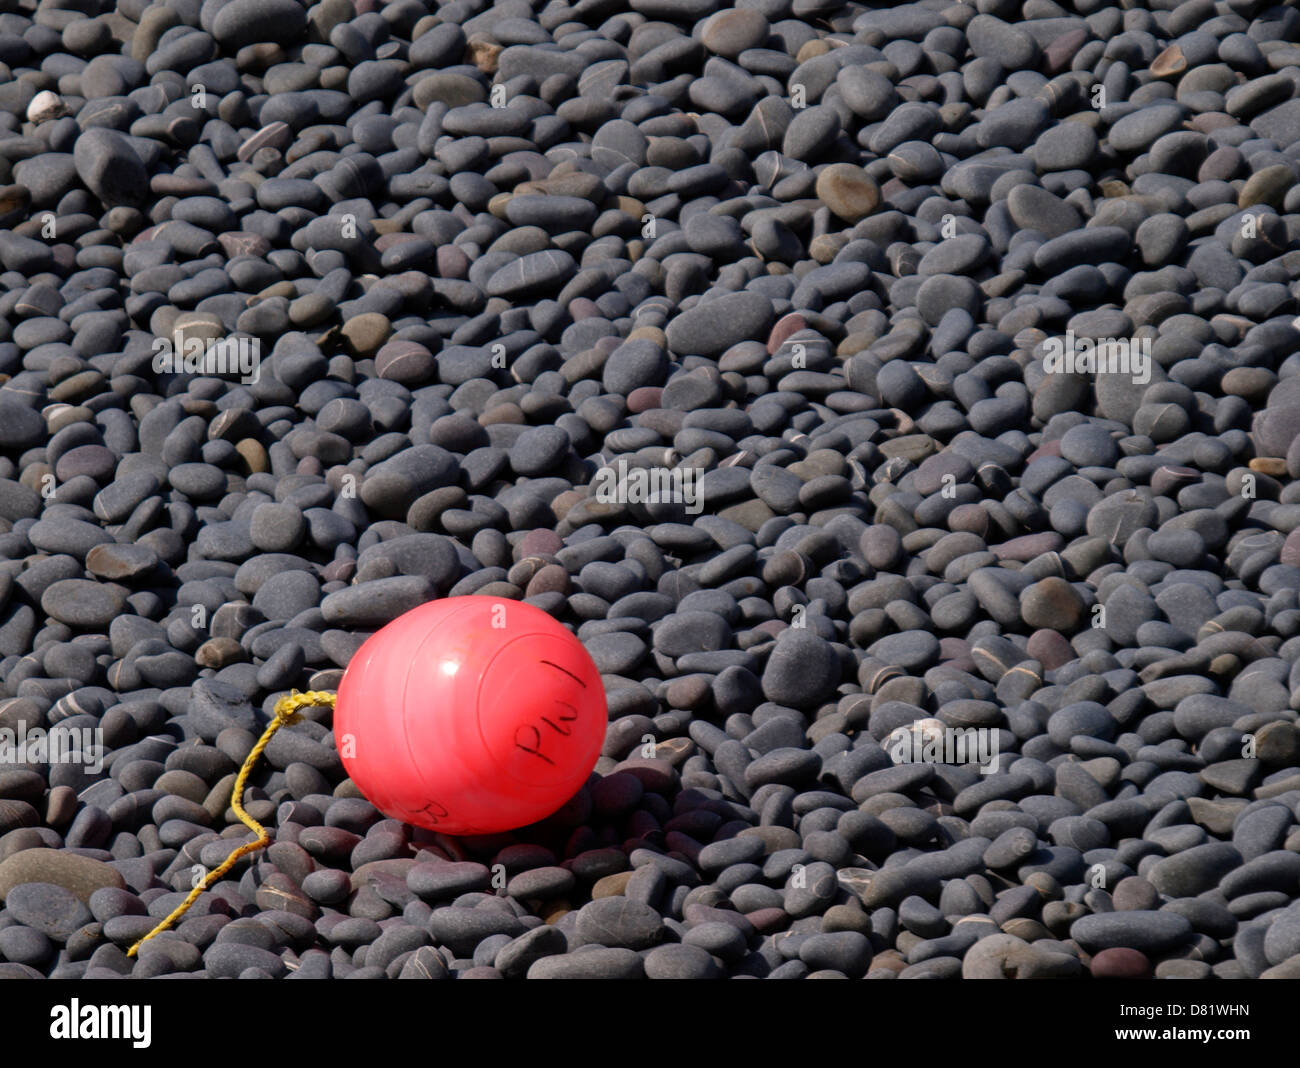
x: 45, y: 106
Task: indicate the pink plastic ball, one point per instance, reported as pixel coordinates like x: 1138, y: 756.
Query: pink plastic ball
x: 470, y: 715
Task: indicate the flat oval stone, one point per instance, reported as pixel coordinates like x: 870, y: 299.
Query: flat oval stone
x: 848, y: 191
x: 710, y: 328
x: 1147, y: 932
x: 533, y: 274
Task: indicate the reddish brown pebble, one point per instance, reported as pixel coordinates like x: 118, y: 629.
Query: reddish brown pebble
x: 540, y: 542
x: 644, y: 398
x: 785, y: 326
x: 1050, y: 649
x: 1121, y: 963
x: 765, y: 921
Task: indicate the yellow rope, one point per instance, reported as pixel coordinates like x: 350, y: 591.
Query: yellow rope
x: 286, y: 711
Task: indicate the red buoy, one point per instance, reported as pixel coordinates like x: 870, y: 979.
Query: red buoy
x: 470, y: 715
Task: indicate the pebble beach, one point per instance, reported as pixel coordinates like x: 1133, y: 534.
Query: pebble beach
x: 900, y: 402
